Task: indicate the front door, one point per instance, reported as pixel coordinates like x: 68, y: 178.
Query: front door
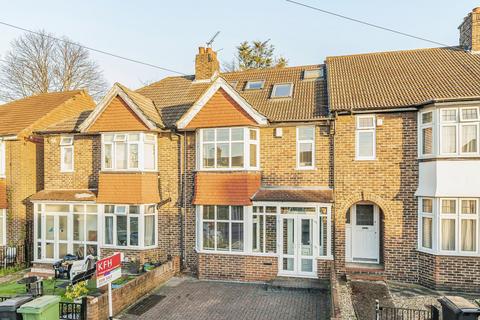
x: 365, y: 238
x: 297, y: 247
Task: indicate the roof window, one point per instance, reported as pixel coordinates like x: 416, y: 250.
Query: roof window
x: 312, y: 74
x: 255, y: 85
x: 282, y: 90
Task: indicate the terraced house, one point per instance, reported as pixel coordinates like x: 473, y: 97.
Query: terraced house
x: 367, y: 164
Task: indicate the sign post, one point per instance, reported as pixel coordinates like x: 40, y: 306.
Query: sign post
x: 108, y: 270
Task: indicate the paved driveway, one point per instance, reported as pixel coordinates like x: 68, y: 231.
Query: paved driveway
x: 187, y: 298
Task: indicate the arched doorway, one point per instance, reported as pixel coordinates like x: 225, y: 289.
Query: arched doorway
x: 362, y: 233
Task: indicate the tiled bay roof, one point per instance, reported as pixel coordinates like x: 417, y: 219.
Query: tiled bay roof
x: 173, y: 96
x: 401, y: 78
x: 69, y: 125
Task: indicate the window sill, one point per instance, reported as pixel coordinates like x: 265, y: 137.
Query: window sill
x: 228, y: 169
x: 128, y: 248
x: 67, y: 171
x: 305, y: 168
x: 365, y: 160
x: 127, y: 171
x: 233, y: 253
x: 449, y: 254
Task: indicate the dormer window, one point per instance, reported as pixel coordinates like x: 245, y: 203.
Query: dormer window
x: 255, y: 85
x: 129, y: 152
x: 313, y: 74
x: 66, y: 154
x: 282, y: 90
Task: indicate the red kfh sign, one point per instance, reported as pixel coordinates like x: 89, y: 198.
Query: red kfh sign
x: 109, y: 269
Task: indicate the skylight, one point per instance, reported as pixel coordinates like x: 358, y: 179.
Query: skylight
x: 255, y: 85
x: 313, y: 74
x: 282, y: 90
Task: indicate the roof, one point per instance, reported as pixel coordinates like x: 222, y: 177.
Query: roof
x: 128, y: 188
x: 293, y: 195
x: 20, y: 114
x: 69, y: 125
x: 64, y: 195
x: 401, y: 78
x: 3, y: 194
x: 173, y: 96
x: 233, y: 188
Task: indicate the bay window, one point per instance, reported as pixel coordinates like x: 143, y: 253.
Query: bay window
x: 132, y: 226
x: 228, y: 148
x: 306, y: 147
x: 452, y: 229
x: 222, y: 228
x: 365, y: 137
x: 66, y: 154
x: 2, y: 158
x: 129, y: 151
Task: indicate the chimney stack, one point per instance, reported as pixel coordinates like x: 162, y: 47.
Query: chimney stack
x: 206, y: 64
x: 470, y: 31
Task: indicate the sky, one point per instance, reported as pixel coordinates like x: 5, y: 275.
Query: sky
x: 168, y: 33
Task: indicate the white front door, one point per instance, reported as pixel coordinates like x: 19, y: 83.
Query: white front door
x: 297, y: 245
x: 365, y: 238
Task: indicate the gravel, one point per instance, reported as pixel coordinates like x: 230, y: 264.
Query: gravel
x: 345, y: 300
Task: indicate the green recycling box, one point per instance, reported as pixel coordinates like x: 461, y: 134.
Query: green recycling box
x: 43, y: 308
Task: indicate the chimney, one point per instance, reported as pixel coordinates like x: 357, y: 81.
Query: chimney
x: 470, y: 31
x: 206, y: 64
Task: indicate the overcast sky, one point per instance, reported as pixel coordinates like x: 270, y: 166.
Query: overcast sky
x: 168, y: 33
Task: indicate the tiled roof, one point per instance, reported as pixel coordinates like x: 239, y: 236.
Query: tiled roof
x: 173, y: 96
x: 293, y: 195
x: 3, y: 194
x: 20, y: 114
x: 401, y: 78
x: 225, y: 188
x: 64, y: 195
x: 128, y: 188
x: 69, y: 125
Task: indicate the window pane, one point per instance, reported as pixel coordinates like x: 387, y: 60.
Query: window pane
x: 449, y: 206
x: 133, y: 137
x: 253, y: 155
x: 306, y: 133
x: 282, y: 90
x: 223, y: 236
x: 134, y: 209
x: 427, y: 117
x: 469, y: 235
x: 469, y: 206
x: 222, y: 155
x: 427, y: 140
x: 364, y: 215
x: 67, y: 160
x: 108, y: 156
x: 365, y: 144
x: 62, y: 250
x: 448, y: 234
x: 121, y: 155
x: 427, y: 233
x: 237, y: 213
x: 109, y: 209
x: 237, y: 154
x: 121, y: 230
x: 253, y: 134
x: 63, y: 228
x: 134, y: 231
x: 50, y: 228
x: 78, y: 227
x: 305, y: 154
x: 133, y: 156
x: 237, y: 236
x: 223, y: 135
x: 449, y: 139
x: 258, y: 236
x: 427, y: 205
x: 449, y: 115
x: 208, y: 155
x: 222, y: 213
x: 208, y: 235
x: 149, y: 156
x: 365, y: 122
x: 39, y: 225
x: 91, y: 208
x: 209, y: 212
x: 237, y: 134
x: 92, y: 249
x: 469, y: 114
x: 469, y: 138
x: 108, y: 230
x: 91, y: 227
x: 79, y: 250
x: 208, y: 134
x: 149, y: 230
x: 57, y: 208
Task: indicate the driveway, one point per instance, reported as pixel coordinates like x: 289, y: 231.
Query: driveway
x: 187, y: 298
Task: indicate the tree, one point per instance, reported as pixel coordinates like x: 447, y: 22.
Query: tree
x: 255, y: 55
x: 38, y: 63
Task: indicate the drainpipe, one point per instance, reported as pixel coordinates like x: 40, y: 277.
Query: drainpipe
x: 183, y: 215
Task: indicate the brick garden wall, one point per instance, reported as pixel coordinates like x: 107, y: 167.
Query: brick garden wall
x: 131, y: 292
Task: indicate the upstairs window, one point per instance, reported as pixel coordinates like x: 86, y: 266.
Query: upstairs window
x: 2, y: 158
x: 306, y: 147
x: 426, y: 131
x: 228, y: 148
x: 129, y: 152
x: 255, y: 85
x: 282, y: 90
x: 365, y: 138
x: 312, y: 74
x: 66, y: 154
x: 459, y: 131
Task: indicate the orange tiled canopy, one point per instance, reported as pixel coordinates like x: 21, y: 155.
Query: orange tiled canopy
x: 128, y: 188
x: 225, y: 188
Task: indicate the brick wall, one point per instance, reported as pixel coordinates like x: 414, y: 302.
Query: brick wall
x: 389, y: 181
x: 131, y: 292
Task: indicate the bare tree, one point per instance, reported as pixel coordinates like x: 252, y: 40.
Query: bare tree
x: 38, y: 63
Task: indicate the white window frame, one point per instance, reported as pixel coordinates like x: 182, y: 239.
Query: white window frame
x: 250, y: 83
x: 306, y: 73
x: 275, y: 86
x: 142, y: 141
x: 430, y: 215
x: 66, y: 143
x: 423, y: 126
x: 3, y: 226
x: 246, y: 149
x: 264, y: 214
x: 141, y: 226
x: 2, y: 159
x: 359, y: 130
x: 308, y: 141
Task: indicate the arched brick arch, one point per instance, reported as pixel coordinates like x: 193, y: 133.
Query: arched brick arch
x: 361, y: 196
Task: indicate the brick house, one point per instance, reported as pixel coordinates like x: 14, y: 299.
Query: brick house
x: 367, y: 163
x: 21, y: 155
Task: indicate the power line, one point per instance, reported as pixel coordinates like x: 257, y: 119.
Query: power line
x: 370, y: 24
x: 93, y: 49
